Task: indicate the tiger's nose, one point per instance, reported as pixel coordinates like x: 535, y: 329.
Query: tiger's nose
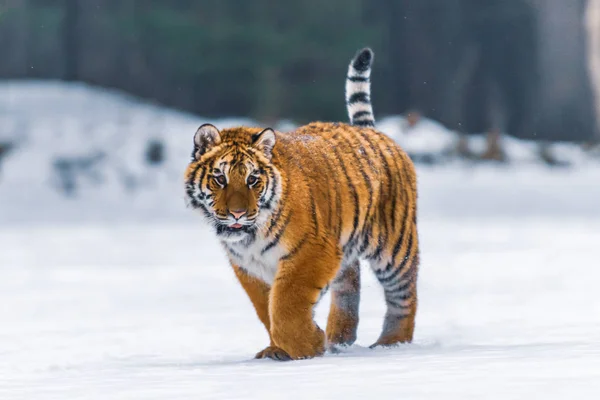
x: 237, y: 213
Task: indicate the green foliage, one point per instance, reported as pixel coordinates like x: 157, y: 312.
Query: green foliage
x: 263, y: 59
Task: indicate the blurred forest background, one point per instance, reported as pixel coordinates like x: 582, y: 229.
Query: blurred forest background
x: 516, y: 66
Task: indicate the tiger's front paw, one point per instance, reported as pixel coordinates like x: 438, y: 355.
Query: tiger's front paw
x: 301, y: 344
x: 274, y: 353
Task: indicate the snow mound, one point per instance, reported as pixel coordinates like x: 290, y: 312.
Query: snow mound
x: 80, y: 153
x: 430, y: 142
x: 80, y: 148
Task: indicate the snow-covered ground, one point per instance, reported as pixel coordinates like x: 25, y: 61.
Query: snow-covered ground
x: 508, y: 309
x: 120, y: 294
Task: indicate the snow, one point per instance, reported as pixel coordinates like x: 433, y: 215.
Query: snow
x: 125, y: 295
x: 430, y: 139
x: 507, y: 309
x: 426, y: 136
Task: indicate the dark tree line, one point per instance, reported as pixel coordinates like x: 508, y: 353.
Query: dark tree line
x: 476, y: 66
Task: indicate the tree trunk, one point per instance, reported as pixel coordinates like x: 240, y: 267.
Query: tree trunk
x: 71, y: 39
x: 592, y: 22
x: 566, y: 99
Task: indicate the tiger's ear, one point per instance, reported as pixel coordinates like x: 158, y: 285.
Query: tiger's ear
x: 206, y: 137
x: 264, y: 142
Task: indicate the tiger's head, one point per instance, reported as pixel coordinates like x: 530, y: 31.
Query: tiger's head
x: 232, y: 180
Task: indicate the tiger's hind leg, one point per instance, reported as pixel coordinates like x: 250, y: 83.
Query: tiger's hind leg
x: 400, y: 290
x: 343, y: 313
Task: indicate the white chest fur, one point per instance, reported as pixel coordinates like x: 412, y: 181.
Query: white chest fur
x: 262, y: 265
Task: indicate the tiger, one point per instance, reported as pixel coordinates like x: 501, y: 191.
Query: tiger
x: 296, y: 213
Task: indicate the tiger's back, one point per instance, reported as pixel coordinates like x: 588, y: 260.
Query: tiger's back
x: 358, y: 183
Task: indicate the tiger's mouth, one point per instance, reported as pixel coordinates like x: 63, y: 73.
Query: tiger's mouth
x: 236, y: 229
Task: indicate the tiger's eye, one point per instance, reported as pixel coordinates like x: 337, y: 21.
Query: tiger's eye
x: 252, y: 180
x: 221, y: 180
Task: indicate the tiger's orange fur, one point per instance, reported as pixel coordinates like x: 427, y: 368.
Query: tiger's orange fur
x: 296, y: 211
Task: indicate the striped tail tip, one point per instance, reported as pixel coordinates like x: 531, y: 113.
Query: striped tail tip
x: 363, y: 60
x: 358, y: 89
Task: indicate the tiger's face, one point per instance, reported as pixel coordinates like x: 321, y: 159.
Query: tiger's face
x: 232, y: 181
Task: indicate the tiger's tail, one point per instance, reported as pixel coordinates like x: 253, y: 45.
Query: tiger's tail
x: 358, y: 89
